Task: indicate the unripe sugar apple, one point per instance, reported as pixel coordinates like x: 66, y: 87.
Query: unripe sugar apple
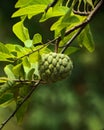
x: 54, y: 67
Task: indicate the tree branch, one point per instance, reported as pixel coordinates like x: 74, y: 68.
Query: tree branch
x: 81, y: 26
x: 24, y: 100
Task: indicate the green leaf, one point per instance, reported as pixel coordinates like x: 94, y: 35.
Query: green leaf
x: 4, y: 88
x: 9, y: 71
x: 54, y: 12
x: 23, y: 3
x: 19, y: 71
x: 6, y: 99
x: 91, y: 3
x: 3, y: 48
x: 23, y: 91
x: 33, y: 9
x: 56, y: 24
x: 21, y: 51
x: 37, y: 38
x: 6, y: 57
x: 11, y: 47
x: 21, y: 31
x: 71, y: 50
x: 86, y: 39
x: 3, y: 79
x: 26, y: 62
x: 33, y: 57
x: 28, y: 43
x: 65, y: 40
x: 64, y: 22
x: 22, y: 111
x: 26, y: 65
x: 30, y: 74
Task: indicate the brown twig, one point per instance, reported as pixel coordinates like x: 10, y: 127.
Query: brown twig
x: 81, y: 13
x: 82, y: 26
x: 51, y: 5
x: 24, y: 100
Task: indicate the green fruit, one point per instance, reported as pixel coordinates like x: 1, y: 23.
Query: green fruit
x: 54, y: 67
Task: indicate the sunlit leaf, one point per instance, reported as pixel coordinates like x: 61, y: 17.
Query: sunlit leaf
x: 5, y: 54
x: 28, y: 43
x: 37, y: 38
x: 26, y: 62
x: 3, y: 48
x: 33, y: 9
x: 26, y: 65
x: 64, y: 22
x: 3, y: 79
x: 9, y: 71
x: 21, y: 31
x: 6, y: 57
x: 54, y: 12
x: 30, y: 74
x: 23, y: 3
x: 19, y: 71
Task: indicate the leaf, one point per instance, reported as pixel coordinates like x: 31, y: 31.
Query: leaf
x: 26, y: 65
x: 64, y: 22
x: 6, y: 99
x: 21, y: 51
x: 37, y: 38
x: 6, y: 87
x: 28, y: 43
x: 3, y: 79
x: 30, y: 74
x: 11, y: 47
x: 33, y: 57
x: 71, y: 50
x: 26, y: 62
x: 67, y: 15
x: 33, y: 9
x: 54, y: 12
x: 91, y: 3
x: 21, y: 31
x: 23, y: 3
x: 19, y: 71
x: 6, y: 57
x: 86, y: 39
x: 3, y: 48
x: 65, y: 40
x: 23, y: 91
x: 56, y: 24
x: 9, y: 71
x: 22, y: 111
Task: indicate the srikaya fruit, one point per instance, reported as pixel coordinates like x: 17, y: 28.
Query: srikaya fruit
x: 54, y: 67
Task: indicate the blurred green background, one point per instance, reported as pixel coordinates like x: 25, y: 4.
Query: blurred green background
x: 76, y: 103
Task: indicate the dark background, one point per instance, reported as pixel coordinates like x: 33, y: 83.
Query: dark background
x: 76, y: 103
